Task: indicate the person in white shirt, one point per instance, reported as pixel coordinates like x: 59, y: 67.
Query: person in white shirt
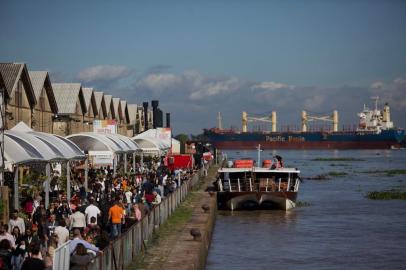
x: 157, y: 198
x: 92, y: 211
x: 5, y: 235
x: 77, y: 220
x: 62, y: 232
x: 128, y: 195
x: 16, y: 221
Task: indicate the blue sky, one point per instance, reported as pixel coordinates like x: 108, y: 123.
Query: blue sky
x: 201, y: 57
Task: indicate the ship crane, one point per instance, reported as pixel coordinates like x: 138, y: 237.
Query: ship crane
x: 327, y: 118
x: 268, y: 119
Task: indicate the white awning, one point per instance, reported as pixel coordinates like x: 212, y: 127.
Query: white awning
x: 29, y: 142
x: 18, y: 151
x: 151, y: 136
x: 39, y: 146
x: 91, y: 141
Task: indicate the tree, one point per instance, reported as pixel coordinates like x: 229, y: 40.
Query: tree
x: 183, y: 138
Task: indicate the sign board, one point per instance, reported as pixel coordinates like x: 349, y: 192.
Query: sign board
x: 101, y: 158
x: 164, y: 134
x: 105, y: 126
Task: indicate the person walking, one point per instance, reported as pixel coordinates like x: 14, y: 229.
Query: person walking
x: 16, y: 221
x: 34, y: 261
x: 92, y: 211
x: 77, y: 220
x: 116, y: 217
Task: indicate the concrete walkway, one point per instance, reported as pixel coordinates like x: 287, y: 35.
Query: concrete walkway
x: 172, y: 246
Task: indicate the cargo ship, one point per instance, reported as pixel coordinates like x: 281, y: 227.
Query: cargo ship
x: 375, y: 131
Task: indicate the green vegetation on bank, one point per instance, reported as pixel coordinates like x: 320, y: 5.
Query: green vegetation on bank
x: 326, y: 176
x: 302, y: 204
x: 339, y: 165
x: 317, y: 177
x: 387, y: 172
x: 337, y: 174
x: 337, y: 159
x: 393, y: 194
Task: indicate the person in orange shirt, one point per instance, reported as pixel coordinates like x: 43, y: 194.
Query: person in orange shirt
x: 116, y: 217
x: 124, y: 184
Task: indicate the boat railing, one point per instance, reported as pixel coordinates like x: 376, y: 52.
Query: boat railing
x: 296, y: 187
x: 264, y: 185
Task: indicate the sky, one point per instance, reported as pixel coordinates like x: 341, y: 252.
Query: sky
x: 199, y: 58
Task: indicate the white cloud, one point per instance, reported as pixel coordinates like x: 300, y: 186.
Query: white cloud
x: 399, y: 81
x: 159, y: 82
x: 314, y: 102
x: 103, y: 73
x: 271, y: 86
x: 209, y: 89
x: 377, y: 85
x: 203, y: 96
x: 190, y: 84
x: 394, y: 94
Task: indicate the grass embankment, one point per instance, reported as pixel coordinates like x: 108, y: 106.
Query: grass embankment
x: 172, y: 226
x: 393, y: 194
x: 387, y: 172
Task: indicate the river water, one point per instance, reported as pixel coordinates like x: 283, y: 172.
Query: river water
x: 339, y: 229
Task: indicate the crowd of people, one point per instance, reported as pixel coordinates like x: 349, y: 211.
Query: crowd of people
x: 90, y: 219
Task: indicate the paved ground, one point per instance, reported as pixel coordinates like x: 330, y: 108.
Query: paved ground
x: 172, y: 246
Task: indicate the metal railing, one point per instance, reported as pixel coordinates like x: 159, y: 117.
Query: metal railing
x: 61, y: 258
x: 120, y: 253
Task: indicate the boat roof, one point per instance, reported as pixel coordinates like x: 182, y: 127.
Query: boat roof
x: 258, y: 169
x: 231, y: 170
x: 279, y: 170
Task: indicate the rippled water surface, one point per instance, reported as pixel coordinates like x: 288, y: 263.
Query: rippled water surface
x: 340, y: 229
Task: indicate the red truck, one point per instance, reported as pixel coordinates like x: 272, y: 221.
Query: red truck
x: 175, y: 162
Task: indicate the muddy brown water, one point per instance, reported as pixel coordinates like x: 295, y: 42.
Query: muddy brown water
x: 340, y: 229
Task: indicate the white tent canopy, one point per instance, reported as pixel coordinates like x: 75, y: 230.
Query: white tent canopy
x: 45, y: 149
x: 151, y: 136
x: 27, y: 145
x: 18, y: 151
x: 23, y: 145
x: 91, y: 141
x: 148, y: 146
